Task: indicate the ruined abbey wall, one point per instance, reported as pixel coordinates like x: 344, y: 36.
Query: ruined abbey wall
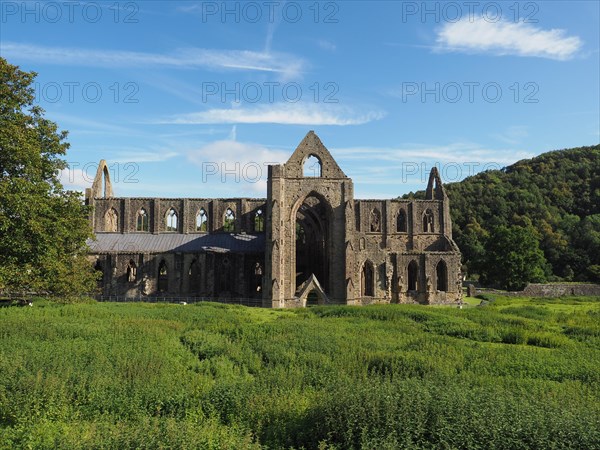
x: 308, y: 242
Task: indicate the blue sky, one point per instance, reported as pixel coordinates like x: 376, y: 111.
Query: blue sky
x: 194, y: 99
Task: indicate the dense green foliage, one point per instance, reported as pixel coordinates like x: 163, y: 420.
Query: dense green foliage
x: 557, y: 194
x: 516, y: 374
x: 43, y: 228
x: 512, y: 258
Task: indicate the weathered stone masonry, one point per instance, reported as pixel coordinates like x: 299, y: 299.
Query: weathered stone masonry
x: 308, y: 241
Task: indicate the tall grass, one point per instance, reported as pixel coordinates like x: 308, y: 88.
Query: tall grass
x: 516, y: 374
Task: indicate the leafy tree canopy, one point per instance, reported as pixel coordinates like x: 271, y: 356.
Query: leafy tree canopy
x: 43, y: 228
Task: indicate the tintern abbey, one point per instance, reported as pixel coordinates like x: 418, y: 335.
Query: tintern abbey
x: 309, y: 242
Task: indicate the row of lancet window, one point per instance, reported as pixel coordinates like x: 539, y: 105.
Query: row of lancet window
x: 225, y: 278
x: 111, y: 220
x: 401, y: 221
x: 367, y: 282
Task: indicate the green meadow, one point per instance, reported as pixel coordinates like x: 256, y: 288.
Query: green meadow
x: 514, y: 374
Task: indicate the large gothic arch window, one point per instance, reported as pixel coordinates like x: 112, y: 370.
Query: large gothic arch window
x: 312, y: 166
x: 367, y: 280
x: 441, y: 273
x: 312, y: 234
x: 413, y: 275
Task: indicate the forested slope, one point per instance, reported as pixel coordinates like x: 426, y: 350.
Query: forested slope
x: 554, y: 198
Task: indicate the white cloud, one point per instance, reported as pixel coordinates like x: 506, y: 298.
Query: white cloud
x: 279, y: 113
x: 504, y: 38
x: 74, y: 179
x: 240, y: 164
x: 144, y: 156
x: 457, y: 152
x: 513, y: 135
x: 326, y: 45
x: 281, y: 63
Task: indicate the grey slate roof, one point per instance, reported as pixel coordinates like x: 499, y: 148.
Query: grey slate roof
x: 175, y: 243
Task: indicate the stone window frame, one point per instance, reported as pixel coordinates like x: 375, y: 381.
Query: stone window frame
x: 404, y: 210
x: 168, y: 216
x: 205, y: 223
x: 139, y: 216
x: 229, y: 225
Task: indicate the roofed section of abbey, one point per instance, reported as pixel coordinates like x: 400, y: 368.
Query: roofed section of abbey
x: 308, y: 242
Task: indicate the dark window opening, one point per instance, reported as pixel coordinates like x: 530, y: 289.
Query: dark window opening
x: 194, y: 274
x: 441, y: 272
x: 163, y: 277
x: 413, y: 275
x: 367, y: 281
x: 401, y: 226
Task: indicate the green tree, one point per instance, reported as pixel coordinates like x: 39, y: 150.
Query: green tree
x: 513, y: 258
x: 471, y: 242
x: 43, y: 228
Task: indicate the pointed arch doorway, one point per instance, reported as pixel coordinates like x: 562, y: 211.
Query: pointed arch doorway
x: 312, y: 241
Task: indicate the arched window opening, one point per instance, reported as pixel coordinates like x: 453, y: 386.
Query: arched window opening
x: 312, y: 241
x: 163, y: 277
x: 312, y: 167
x: 106, y: 189
x: 225, y: 277
x: 229, y: 221
x: 428, y: 225
x: 441, y: 273
x: 258, y: 275
x: 259, y: 221
x: 401, y: 226
x: 367, y: 281
x: 111, y: 221
x: 375, y: 225
x: 142, y: 220
x: 413, y: 275
x: 171, y: 220
x: 194, y: 277
x: 131, y: 272
x: 99, y: 268
x: 202, y: 220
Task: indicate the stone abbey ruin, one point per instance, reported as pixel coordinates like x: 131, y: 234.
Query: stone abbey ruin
x: 308, y: 242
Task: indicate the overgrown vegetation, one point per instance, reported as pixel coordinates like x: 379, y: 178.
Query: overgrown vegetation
x: 555, y: 197
x: 518, y: 373
x: 43, y: 228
